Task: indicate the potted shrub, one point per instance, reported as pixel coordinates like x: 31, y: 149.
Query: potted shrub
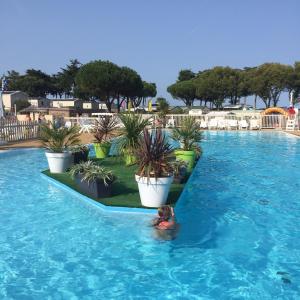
x: 80, y: 153
x: 189, y: 136
x: 93, y: 179
x: 57, y: 142
x: 198, y: 151
x: 163, y: 108
x: 154, y: 175
x: 133, y: 126
x: 179, y: 170
x: 105, y: 129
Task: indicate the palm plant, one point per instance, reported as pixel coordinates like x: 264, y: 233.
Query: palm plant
x: 163, y: 108
x: 153, y: 155
x: 59, y: 139
x: 134, y: 124
x: 188, y: 135
x: 105, y: 129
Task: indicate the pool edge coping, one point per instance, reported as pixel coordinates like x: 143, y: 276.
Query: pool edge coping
x: 106, y: 208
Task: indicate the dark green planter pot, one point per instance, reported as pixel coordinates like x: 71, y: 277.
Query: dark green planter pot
x: 102, y: 150
x: 81, y: 156
x: 187, y: 156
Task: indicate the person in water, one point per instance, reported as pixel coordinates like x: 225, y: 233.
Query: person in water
x: 165, y: 219
x: 165, y: 225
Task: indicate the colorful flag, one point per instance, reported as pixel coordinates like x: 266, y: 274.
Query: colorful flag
x: 129, y: 105
x: 150, y: 105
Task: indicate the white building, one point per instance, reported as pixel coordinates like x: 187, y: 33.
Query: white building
x: 63, y: 103
x: 10, y: 98
x: 39, y: 102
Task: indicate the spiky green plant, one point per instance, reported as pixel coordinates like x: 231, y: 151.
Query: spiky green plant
x: 91, y: 171
x: 81, y: 167
x: 59, y: 139
x: 133, y: 126
x: 153, y: 155
x: 188, y: 135
x: 106, y: 128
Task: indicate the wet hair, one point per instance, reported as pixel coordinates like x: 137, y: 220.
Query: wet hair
x: 164, y: 212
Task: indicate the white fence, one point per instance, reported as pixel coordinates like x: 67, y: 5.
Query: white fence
x: 225, y: 121
x: 16, y: 130
x: 11, y: 130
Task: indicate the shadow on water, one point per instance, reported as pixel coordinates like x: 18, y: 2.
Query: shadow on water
x: 201, y: 207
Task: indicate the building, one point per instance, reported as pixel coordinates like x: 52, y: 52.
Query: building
x: 48, y: 112
x: 10, y: 98
x: 39, y: 102
x: 63, y: 103
x: 80, y: 106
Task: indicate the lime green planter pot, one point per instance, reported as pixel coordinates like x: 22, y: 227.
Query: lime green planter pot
x: 129, y: 159
x: 102, y: 150
x: 187, y: 156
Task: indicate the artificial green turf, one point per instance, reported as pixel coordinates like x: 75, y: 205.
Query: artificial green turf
x: 124, y: 191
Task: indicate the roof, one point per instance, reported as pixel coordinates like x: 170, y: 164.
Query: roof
x: 12, y: 92
x: 45, y: 109
x: 62, y: 100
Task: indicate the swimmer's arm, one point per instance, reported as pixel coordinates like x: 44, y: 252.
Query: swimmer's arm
x: 172, y: 214
x: 170, y: 225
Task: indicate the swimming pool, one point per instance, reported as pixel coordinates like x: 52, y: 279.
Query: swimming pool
x: 239, y: 238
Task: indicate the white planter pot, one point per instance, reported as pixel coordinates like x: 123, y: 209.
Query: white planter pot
x: 59, y: 162
x: 154, y: 192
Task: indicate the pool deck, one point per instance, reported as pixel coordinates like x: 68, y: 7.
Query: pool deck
x: 86, y: 138
x: 297, y: 132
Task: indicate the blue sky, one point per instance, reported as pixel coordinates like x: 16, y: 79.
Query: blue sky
x: 156, y: 38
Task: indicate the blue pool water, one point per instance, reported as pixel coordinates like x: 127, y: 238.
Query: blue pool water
x: 239, y: 219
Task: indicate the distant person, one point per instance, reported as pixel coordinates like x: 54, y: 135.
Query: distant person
x: 165, y: 224
x: 165, y: 219
x: 291, y: 112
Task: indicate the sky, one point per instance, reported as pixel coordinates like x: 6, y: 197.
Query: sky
x: 156, y: 38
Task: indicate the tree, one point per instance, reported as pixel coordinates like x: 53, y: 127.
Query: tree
x: 294, y: 82
x: 106, y: 81
x: 185, y: 75
x: 148, y: 91
x: 13, y: 80
x: 270, y: 80
x: 98, y: 80
x: 35, y: 83
x: 64, y: 81
x: 184, y: 90
x: 236, y: 85
x: 249, y: 84
x: 129, y: 87
x: 213, y: 86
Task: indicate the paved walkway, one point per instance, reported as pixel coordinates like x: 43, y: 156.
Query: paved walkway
x: 85, y: 138
x: 296, y: 132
